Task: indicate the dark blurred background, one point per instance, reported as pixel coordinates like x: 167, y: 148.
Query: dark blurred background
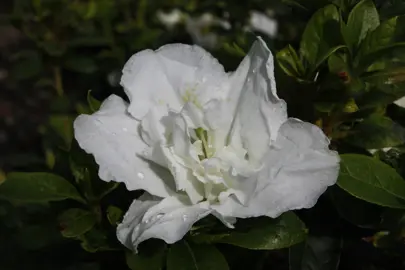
x: 53, y: 52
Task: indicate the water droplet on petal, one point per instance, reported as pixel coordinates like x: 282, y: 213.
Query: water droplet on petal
x: 159, y: 216
x: 254, y: 70
x: 125, y: 129
x: 184, y: 218
x: 234, y: 172
x: 140, y: 175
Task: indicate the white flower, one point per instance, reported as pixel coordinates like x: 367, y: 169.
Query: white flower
x: 170, y: 19
x: 263, y: 23
x: 201, y: 141
x: 199, y: 29
x: 400, y: 102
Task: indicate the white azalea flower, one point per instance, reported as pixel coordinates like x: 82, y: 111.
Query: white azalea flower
x: 170, y: 19
x: 263, y: 23
x: 201, y: 141
x: 198, y: 28
x: 400, y: 102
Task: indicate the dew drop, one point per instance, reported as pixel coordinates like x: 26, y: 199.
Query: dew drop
x: 140, y: 175
x: 184, y: 218
x: 254, y: 70
x: 234, y: 172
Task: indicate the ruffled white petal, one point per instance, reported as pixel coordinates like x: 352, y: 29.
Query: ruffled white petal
x: 168, y: 219
x: 258, y: 111
x: 112, y: 136
x: 170, y: 77
x: 146, y: 84
x: 194, y: 73
x: 299, y: 168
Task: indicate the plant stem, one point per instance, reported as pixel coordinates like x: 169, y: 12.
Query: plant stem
x: 58, y: 80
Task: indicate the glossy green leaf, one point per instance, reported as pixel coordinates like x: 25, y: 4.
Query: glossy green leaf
x: 94, y: 240
x: 338, y: 63
x: 381, y: 93
x: 187, y: 256
x: 153, y: 260
x: 75, y: 222
x: 377, y: 132
x: 321, y: 36
x: 371, y: 180
x: 357, y: 212
x: 290, y: 62
x: 316, y: 253
x: 114, y: 214
x: 62, y: 125
x: 387, y: 64
x: 37, y: 187
x: 388, y: 34
x: 94, y: 104
x: 362, y: 19
x: 261, y: 233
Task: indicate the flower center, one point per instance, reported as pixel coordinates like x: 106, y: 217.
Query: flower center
x: 207, y: 150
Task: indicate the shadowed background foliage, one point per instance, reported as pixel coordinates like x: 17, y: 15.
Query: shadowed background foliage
x: 340, y: 65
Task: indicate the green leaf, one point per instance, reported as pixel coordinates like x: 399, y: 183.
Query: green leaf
x: 75, y: 222
x: 114, y: 214
x: 94, y: 240
x: 385, y: 36
x: 63, y: 126
x: 382, y: 92
x: 261, y: 233
x: 186, y: 256
x: 290, y: 62
x: 358, y: 212
x: 37, y: 187
x: 234, y: 49
x: 317, y: 253
x: 81, y: 64
x: 338, y: 63
x: 362, y: 19
x: 94, y: 104
x: 321, y: 37
x: 371, y: 180
x: 387, y: 63
x: 152, y: 260
x: 376, y: 132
